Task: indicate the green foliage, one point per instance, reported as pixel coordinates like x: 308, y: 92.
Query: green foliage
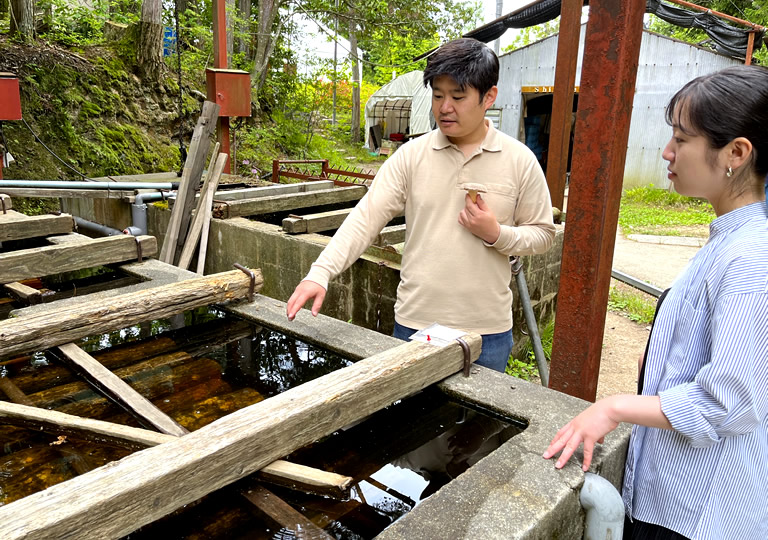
x: 525, y: 366
x: 649, y: 210
x: 635, y: 305
x: 532, y: 34
x: 75, y: 24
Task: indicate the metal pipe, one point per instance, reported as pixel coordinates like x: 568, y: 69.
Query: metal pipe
x: 64, y: 184
x: 95, y: 227
x: 139, y: 213
x: 604, y: 508
x: 530, y: 320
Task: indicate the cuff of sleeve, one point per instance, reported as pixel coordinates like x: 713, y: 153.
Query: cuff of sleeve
x: 685, y: 417
x: 507, y: 236
x: 319, y: 276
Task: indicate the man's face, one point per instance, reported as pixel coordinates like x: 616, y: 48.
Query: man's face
x: 459, y: 113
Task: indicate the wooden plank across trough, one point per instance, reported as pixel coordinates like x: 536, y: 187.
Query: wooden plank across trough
x: 16, y: 226
x: 281, y: 203
x: 48, y: 260
x: 24, y: 292
x: 64, y: 325
x: 112, y: 501
x: 310, y: 223
x: 390, y: 235
x: 270, y: 191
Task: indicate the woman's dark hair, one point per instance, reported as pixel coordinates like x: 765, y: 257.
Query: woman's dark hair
x: 468, y: 62
x: 725, y: 105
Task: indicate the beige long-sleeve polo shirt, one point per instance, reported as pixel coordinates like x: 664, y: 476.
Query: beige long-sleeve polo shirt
x: 448, y: 275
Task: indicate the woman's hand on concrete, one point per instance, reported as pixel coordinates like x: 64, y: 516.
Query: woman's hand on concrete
x: 306, y: 291
x: 588, y: 428
x: 478, y: 219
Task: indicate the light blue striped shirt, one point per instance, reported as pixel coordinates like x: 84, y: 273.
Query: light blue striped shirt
x: 708, y: 361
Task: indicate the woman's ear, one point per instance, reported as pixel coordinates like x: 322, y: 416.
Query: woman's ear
x: 738, y: 152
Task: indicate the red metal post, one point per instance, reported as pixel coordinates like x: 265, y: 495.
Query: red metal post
x: 220, y: 61
x: 750, y: 48
x: 609, y: 70
x: 562, y: 99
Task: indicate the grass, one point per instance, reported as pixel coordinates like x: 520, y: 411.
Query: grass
x: 654, y: 211
x: 525, y: 366
x: 636, y: 305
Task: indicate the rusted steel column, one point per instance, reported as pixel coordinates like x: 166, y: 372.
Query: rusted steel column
x: 608, y: 74
x: 220, y: 61
x: 562, y: 99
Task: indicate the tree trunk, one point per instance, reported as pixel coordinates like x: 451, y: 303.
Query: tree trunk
x: 231, y: 12
x: 3, y: 8
x: 22, y: 20
x: 265, y: 41
x: 355, y: 81
x: 149, y: 54
x: 243, y: 41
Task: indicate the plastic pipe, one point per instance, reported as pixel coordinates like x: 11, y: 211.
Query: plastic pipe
x: 59, y: 184
x: 139, y: 213
x: 96, y: 227
x: 604, y: 508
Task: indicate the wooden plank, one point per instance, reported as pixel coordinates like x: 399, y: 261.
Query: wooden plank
x: 63, y: 325
x: 271, y: 191
x: 282, y: 515
x: 71, y: 238
x: 147, y: 485
x: 23, y: 292
x: 280, y: 203
x: 203, y: 251
x: 14, y: 226
x: 394, y: 234
x: 6, y: 203
x: 13, y: 392
x: 310, y: 223
x: 190, y: 180
x: 116, y: 389
x: 60, y: 423
x: 68, y: 193
x: 203, y: 211
x: 49, y: 260
x: 303, y: 478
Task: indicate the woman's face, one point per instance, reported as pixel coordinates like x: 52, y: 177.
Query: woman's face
x: 695, y: 169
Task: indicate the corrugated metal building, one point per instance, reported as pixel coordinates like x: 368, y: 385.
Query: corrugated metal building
x: 526, y: 80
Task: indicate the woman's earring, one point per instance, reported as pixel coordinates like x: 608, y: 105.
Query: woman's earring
x: 729, y: 172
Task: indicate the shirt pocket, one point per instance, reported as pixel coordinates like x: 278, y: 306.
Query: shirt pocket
x: 501, y: 199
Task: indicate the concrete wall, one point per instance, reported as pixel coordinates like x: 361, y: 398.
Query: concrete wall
x: 365, y: 293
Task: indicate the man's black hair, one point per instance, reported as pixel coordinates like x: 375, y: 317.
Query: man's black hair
x: 467, y: 61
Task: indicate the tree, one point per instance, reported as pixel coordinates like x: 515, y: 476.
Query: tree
x: 149, y: 53
x: 355, y: 123
x: 22, y: 20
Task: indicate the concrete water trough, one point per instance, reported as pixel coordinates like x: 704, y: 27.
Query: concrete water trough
x: 510, y: 493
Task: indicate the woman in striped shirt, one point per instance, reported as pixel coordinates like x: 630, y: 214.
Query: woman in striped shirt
x: 697, y: 465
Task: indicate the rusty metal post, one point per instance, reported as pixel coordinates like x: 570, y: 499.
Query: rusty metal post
x: 750, y: 48
x: 220, y: 61
x: 275, y: 171
x: 562, y: 100
x: 609, y: 70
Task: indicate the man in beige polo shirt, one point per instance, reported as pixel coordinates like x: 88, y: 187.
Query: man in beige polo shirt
x: 455, y: 267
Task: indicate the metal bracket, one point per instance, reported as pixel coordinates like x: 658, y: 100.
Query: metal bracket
x: 467, y: 358
x: 515, y: 265
x: 2, y: 199
x: 138, y: 249
x: 249, y: 273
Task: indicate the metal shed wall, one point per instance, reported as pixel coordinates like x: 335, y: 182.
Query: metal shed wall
x: 665, y: 66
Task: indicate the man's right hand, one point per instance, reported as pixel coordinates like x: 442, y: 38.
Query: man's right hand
x: 306, y: 290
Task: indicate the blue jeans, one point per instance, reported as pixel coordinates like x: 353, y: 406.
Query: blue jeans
x: 496, y: 347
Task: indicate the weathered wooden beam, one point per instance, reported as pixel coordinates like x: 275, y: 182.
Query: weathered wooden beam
x: 280, y: 203
x: 310, y: 223
x: 190, y: 180
x: 149, y: 484
x: 282, y: 515
x: 13, y: 392
x: 64, y: 325
x: 48, y: 260
x: 394, y: 234
x: 60, y: 423
x: 27, y: 294
x: 301, y: 477
x: 15, y: 226
x: 67, y: 193
x: 203, y: 210
x: 270, y: 191
x: 116, y: 389
x: 6, y: 203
